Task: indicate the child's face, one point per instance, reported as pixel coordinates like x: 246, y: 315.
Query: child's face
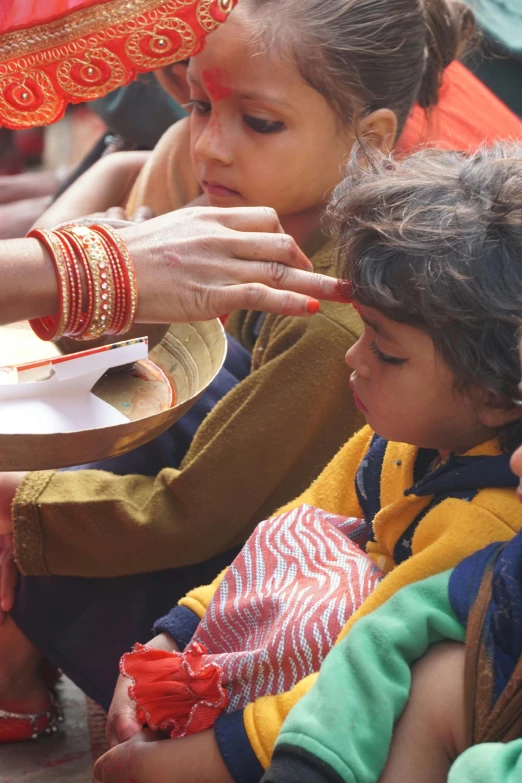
x: 407, y: 392
x: 260, y: 136
x: 516, y: 459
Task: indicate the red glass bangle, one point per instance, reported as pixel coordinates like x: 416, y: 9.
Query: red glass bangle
x: 53, y: 326
x: 86, y: 317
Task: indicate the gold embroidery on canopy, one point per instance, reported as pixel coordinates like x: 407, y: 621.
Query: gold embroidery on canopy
x: 104, y: 21
x: 43, y: 68
x: 161, y: 45
x: 89, y: 72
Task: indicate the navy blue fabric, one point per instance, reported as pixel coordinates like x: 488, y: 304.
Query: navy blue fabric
x: 235, y: 748
x: 180, y: 623
x: 85, y: 625
x: 169, y: 448
x: 502, y: 625
x: 368, y: 481
x: 467, y: 473
x: 292, y: 764
x: 403, y: 548
x: 459, y: 477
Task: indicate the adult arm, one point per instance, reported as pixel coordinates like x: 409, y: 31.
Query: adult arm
x: 28, y: 281
x: 194, y: 264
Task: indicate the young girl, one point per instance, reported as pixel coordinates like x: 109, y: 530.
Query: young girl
x: 432, y: 246
x: 277, y: 101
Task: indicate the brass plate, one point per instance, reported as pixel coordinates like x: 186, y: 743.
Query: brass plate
x: 187, y: 359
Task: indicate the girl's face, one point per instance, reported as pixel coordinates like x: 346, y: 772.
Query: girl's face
x: 260, y: 136
x: 407, y: 392
x: 516, y: 459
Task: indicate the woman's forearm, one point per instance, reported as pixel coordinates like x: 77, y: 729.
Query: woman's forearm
x: 28, y: 285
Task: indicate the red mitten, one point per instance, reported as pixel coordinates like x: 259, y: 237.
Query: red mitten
x: 178, y: 693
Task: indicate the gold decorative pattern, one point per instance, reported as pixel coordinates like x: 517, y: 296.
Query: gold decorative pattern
x: 102, y: 20
x: 207, y: 21
x: 156, y: 48
x: 29, y: 93
x: 84, y: 76
x: 94, y: 50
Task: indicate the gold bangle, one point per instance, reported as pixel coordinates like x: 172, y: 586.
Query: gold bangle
x: 101, y: 275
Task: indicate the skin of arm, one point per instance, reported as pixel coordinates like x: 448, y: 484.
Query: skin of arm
x: 106, y: 184
x: 29, y: 288
x: 144, y: 759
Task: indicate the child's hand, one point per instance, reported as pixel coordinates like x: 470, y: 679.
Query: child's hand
x: 121, y: 720
x: 145, y: 759
x: 129, y: 762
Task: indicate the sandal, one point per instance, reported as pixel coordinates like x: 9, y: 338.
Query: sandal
x: 19, y: 726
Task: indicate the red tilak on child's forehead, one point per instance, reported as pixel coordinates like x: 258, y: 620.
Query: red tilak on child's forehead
x: 215, y: 80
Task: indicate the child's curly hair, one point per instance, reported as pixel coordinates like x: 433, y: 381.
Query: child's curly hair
x: 435, y: 240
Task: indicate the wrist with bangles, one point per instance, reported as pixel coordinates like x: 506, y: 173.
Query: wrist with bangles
x: 97, y: 288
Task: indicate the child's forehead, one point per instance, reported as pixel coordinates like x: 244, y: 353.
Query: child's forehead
x: 243, y: 60
x: 399, y: 332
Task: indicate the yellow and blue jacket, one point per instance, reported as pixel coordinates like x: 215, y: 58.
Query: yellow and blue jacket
x: 419, y: 521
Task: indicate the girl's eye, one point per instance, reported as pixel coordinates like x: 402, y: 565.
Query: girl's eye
x: 383, y: 357
x: 202, y: 108
x: 263, y: 126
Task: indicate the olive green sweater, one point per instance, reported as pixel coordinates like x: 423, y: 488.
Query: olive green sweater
x: 261, y: 446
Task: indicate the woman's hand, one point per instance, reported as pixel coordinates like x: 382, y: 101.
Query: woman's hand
x: 199, y: 263
x: 122, y: 724
x: 145, y: 759
x: 8, y: 575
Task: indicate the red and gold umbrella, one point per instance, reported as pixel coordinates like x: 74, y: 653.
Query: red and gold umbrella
x: 55, y: 52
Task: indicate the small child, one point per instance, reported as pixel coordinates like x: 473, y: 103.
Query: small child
x: 432, y: 247
x: 457, y: 716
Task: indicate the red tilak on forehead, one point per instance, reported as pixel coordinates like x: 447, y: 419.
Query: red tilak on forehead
x: 213, y: 79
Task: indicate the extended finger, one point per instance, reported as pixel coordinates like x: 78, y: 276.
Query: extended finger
x: 279, y: 248
x: 255, y: 296
x: 286, y: 278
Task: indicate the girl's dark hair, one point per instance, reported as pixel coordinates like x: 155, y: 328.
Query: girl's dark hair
x: 365, y: 55
x: 435, y: 240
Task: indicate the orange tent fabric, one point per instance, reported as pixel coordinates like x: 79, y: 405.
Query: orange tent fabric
x: 69, y: 51
x: 467, y: 114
